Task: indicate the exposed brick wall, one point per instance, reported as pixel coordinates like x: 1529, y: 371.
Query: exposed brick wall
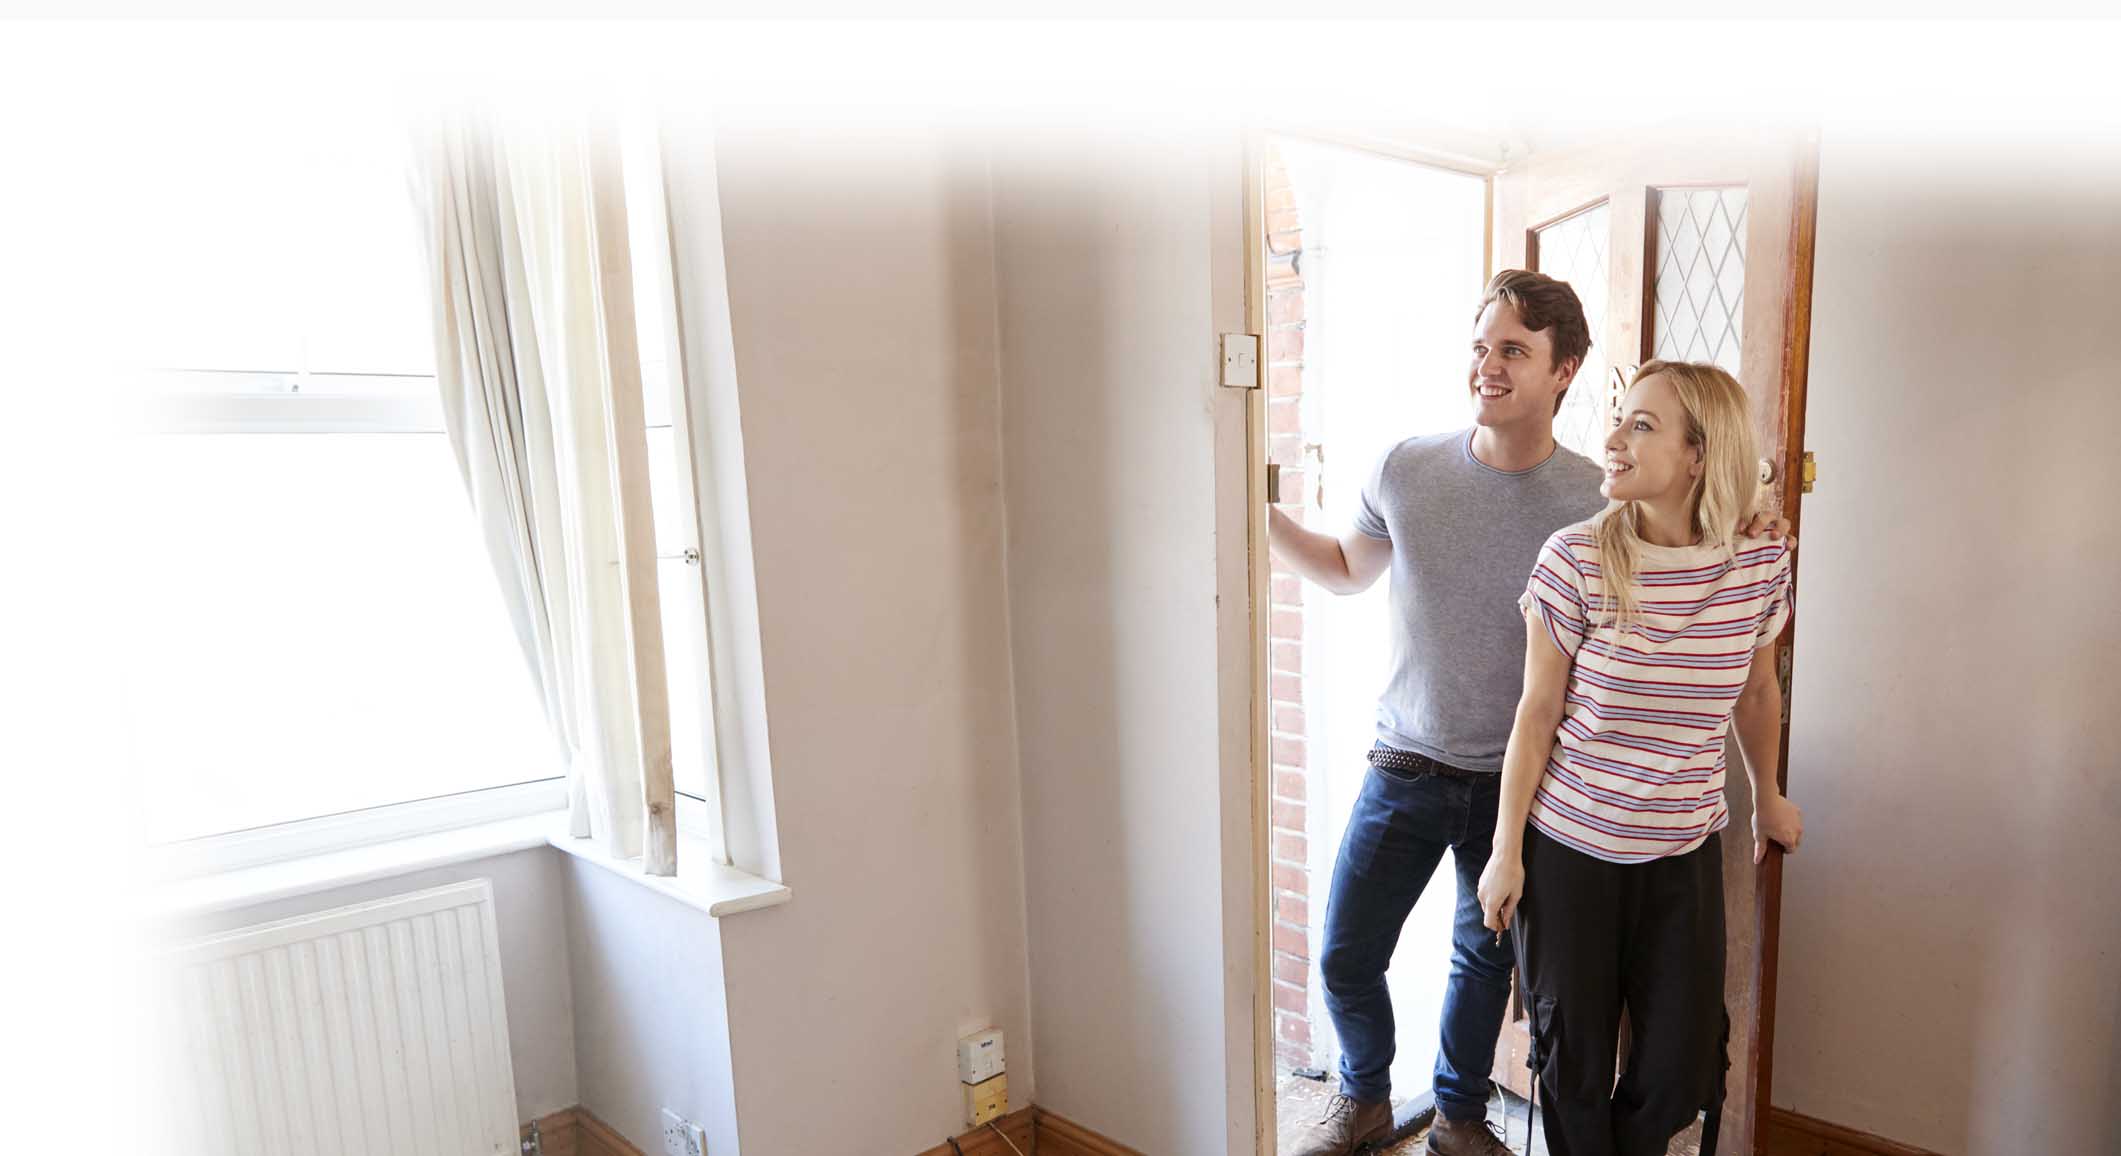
x: 1291, y: 872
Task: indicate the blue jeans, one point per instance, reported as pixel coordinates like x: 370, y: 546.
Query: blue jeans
x: 1402, y: 823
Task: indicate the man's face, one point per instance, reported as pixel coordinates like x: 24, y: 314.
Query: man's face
x: 1513, y: 379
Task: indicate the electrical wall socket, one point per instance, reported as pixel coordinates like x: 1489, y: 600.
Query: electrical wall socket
x: 986, y: 1100
x: 682, y: 1137
x: 979, y: 1056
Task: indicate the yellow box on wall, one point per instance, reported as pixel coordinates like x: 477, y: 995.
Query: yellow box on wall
x: 986, y: 1100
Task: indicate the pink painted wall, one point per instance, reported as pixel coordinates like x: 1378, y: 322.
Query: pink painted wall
x: 1951, y: 951
x: 861, y: 270
x: 1119, y: 257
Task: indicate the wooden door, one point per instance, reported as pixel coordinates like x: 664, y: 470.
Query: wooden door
x: 1696, y: 245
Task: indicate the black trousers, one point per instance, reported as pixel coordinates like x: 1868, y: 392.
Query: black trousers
x: 1593, y: 937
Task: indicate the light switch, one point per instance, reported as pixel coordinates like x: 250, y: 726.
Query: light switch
x: 1240, y: 361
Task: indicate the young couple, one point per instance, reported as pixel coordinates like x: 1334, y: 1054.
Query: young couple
x: 1567, y: 748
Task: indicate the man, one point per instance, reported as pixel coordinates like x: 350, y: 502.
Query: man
x: 1459, y: 518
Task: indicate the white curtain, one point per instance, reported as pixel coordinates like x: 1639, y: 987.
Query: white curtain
x: 521, y: 358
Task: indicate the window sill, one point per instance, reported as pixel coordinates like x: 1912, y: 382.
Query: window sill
x: 714, y: 888
x: 700, y: 883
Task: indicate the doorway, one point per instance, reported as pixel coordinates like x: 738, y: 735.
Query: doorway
x: 1373, y: 263
x: 1683, y: 243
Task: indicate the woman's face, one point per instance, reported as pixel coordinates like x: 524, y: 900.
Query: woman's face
x: 1647, y: 458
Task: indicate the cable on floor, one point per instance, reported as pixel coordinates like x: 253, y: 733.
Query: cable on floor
x: 1005, y: 1138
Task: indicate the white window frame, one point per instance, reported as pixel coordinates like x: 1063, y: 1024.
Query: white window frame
x: 184, y: 401
x: 346, y: 830
x: 245, y: 401
x: 193, y: 401
x: 651, y: 262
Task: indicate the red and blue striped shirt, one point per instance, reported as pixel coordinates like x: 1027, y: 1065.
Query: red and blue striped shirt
x: 1637, y: 769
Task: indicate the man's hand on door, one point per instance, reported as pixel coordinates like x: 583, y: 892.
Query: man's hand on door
x: 1767, y: 525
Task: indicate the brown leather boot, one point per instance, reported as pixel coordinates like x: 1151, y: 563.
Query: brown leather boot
x: 1348, y: 1126
x: 1465, y: 1138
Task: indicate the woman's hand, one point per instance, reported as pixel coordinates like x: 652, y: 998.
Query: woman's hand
x: 1774, y: 818
x: 1501, y: 886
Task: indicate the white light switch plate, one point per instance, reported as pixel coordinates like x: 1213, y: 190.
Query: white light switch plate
x: 1240, y: 360
x: 682, y: 1137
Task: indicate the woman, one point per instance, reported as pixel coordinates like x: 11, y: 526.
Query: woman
x: 1650, y: 629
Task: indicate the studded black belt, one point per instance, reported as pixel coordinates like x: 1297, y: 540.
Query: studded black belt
x: 1409, y: 763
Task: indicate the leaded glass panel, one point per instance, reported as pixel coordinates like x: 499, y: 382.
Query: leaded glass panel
x: 1699, y: 285
x: 1573, y: 249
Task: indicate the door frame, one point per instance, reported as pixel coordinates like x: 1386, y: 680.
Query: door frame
x: 1256, y: 138
x: 1265, y: 1123
x: 1790, y: 482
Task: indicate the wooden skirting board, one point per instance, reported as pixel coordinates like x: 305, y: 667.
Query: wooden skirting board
x: 1019, y: 1126
x: 1038, y: 1131
x: 1789, y: 1134
x: 1060, y: 1136
x: 574, y: 1132
x: 1034, y: 1130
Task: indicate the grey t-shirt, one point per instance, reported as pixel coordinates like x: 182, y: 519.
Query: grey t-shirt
x: 1464, y: 537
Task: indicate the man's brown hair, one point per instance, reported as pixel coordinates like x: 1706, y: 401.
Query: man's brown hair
x: 1542, y: 303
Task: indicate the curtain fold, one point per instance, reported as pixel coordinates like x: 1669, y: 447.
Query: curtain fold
x: 521, y: 363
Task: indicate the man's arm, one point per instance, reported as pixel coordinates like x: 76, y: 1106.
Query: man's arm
x: 1344, y: 565
x: 1767, y: 525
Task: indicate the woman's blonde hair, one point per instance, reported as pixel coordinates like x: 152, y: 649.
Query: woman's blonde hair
x: 1719, y: 422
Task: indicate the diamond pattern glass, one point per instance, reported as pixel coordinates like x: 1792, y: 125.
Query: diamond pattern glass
x: 1573, y: 249
x: 1699, y: 285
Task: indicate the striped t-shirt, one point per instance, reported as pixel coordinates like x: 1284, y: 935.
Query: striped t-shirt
x: 1637, y: 768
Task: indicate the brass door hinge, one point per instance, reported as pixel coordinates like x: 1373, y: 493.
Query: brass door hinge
x: 1810, y: 472
x: 1274, y: 483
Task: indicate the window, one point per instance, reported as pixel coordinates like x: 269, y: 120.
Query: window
x: 1573, y: 249
x: 680, y: 573
x: 318, y: 629
x: 319, y: 633
x: 318, y: 626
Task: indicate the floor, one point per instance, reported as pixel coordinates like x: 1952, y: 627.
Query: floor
x: 1299, y: 1101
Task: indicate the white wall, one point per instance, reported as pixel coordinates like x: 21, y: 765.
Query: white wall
x: 532, y: 926
x: 1115, y: 258
x: 1951, y: 935
x: 650, y: 1028
x: 861, y: 273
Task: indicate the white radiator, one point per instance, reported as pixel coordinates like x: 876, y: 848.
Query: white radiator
x: 370, y: 1030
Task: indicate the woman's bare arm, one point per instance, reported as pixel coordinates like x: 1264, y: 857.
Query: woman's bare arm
x: 1757, y: 724
x: 1539, y: 710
